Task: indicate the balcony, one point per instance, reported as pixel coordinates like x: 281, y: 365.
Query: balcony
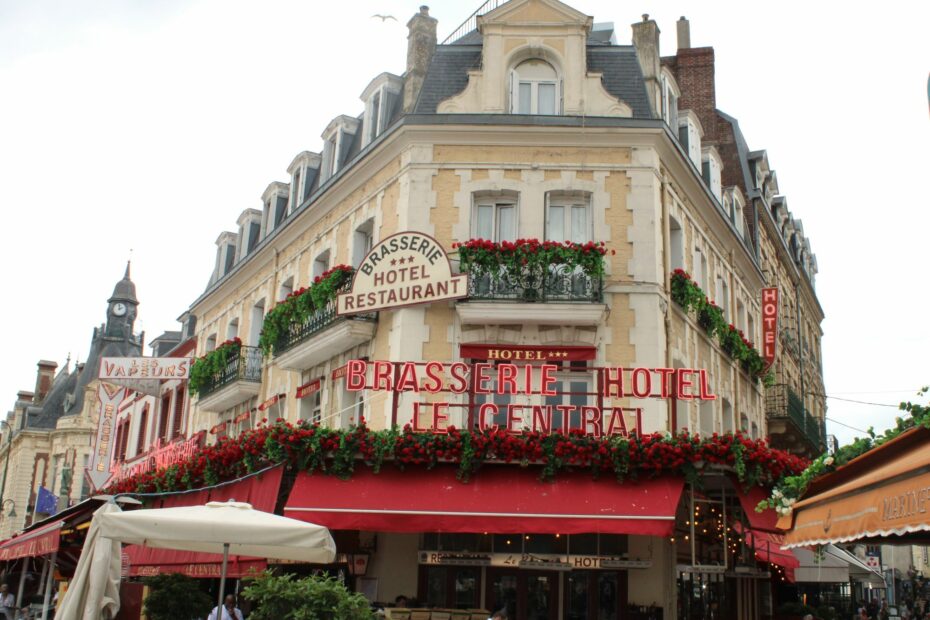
x: 791, y: 426
x: 239, y: 381
x: 322, y: 336
x: 551, y: 296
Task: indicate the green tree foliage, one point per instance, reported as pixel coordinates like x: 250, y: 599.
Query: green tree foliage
x: 175, y: 597
x: 284, y: 597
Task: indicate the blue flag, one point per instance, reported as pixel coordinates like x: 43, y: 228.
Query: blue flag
x: 46, y: 502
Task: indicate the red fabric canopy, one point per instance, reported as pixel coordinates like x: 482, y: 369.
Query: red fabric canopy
x: 768, y: 549
x: 260, y: 491
x: 499, y: 500
x: 40, y: 541
x: 764, y: 521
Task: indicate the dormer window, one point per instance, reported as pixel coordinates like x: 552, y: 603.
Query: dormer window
x: 250, y: 226
x: 535, y: 88
x: 274, y: 201
x: 380, y: 97
x: 670, y: 95
x: 711, y: 170
x: 336, y: 142
x: 225, y: 254
x: 303, y: 171
x: 689, y: 135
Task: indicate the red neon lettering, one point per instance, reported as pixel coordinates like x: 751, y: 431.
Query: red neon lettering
x: 666, y: 377
x: 483, y: 411
x: 416, y: 419
x: 514, y: 421
x: 408, y: 378
x: 611, y: 380
x: 481, y: 377
x: 433, y: 383
x: 706, y: 394
x: 382, y: 376
x: 355, y: 375
x: 547, y: 379
x: 506, y: 379
x: 591, y: 420
x: 440, y: 417
x: 566, y: 415
x: 617, y: 425
x: 542, y: 419
x: 684, y: 384
x: 459, y: 373
x: 641, y: 383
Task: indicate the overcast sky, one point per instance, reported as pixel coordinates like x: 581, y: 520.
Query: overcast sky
x: 143, y: 126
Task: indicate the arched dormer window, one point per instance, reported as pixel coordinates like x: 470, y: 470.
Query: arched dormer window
x: 535, y: 88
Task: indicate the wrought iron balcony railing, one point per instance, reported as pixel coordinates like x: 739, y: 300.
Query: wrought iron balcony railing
x: 324, y: 317
x: 782, y: 402
x: 244, y: 365
x: 533, y: 285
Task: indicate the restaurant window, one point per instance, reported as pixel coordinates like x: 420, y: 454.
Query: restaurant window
x: 211, y: 343
x: 232, y: 329
x: 454, y: 587
x: 163, y: 417
x: 568, y: 217
x: 495, y: 217
x: 311, y: 407
x: 143, y: 428
x: 706, y: 413
x: 320, y: 264
x: 535, y: 88
x: 178, y: 419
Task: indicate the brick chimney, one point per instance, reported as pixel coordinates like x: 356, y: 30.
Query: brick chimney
x: 646, y: 42
x: 44, y: 377
x: 694, y: 72
x: 684, y: 33
x: 421, y: 43
x: 24, y: 396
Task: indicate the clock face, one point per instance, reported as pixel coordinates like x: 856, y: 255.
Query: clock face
x: 119, y: 309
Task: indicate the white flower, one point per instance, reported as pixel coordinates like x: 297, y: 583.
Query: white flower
x: 828, y: 461
x: 776, y: 493
x: 791, y: 501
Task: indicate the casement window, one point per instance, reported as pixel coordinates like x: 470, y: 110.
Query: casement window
x: 256, y: 318
x: 232, y: 329
x: 178, y: 419
x: 374, y: 116
x: 707, y: 424
x: 311, y: 407
x: 286, y: 288
x: 535, y: 88
x: 495, y: 218
x: 320, y: 264
x: 568, y: 217
x: 210, y: 344
x: 143, y: 429
x: 163, y: 417
x: 362, y: 241
x: 676, y: 242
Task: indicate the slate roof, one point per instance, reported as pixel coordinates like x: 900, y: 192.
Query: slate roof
x: 447, y: 75
x: 622, y: 76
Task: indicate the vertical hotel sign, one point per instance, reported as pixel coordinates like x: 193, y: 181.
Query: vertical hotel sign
x: 98, y: 471
x: 406, y: 269
x: 769, y: 325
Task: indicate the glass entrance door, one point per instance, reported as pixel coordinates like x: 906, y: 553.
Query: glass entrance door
x: 527, y: 594
x: 595, y: 595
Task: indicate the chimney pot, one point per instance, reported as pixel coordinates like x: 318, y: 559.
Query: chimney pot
x: 645, y: 17
x: 424, y: 10
x: 684, y: 33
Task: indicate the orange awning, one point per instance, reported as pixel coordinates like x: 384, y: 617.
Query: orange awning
x: 882, y: 496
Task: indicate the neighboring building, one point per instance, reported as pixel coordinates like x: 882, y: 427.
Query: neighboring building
x: 50, y: 432
x: 531, y: 123
x: 745, y: 189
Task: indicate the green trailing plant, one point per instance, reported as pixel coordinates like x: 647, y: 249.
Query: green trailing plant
x: 791, y: 488
x: 175, y: 597
x: 687, y: 294
x: 511, y: 258
x: 300, y: 305
x: 213, y: 363
x: 285, y: 597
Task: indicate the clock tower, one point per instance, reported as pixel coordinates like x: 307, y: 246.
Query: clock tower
x: 122, y: 308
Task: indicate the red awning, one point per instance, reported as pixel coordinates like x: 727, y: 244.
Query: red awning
x: 764, y: 521
x: 41, y: 541
x: 768, y: 548
x: 499, y: 500
x: 260, y: 491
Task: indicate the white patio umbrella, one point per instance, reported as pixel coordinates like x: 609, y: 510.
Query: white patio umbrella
x: 94, y: 590
x: 222, y: 527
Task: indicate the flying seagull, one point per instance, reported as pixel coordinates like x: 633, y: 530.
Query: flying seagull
x: 384, y: 18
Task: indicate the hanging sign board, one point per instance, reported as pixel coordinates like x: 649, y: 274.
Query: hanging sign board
x: 769, y: 325
x: 406, y: 269
x: 109, y: 397
x: 144, y: 374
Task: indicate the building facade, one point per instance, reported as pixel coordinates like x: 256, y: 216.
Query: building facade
x: 532, y: 124
x: 48, y: 438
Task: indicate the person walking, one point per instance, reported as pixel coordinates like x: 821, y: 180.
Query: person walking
x: 7, y: 603
x: 228, y: 611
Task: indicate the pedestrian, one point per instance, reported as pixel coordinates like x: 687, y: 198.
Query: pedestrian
x: 229, y: 610
x: 7, y: 602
